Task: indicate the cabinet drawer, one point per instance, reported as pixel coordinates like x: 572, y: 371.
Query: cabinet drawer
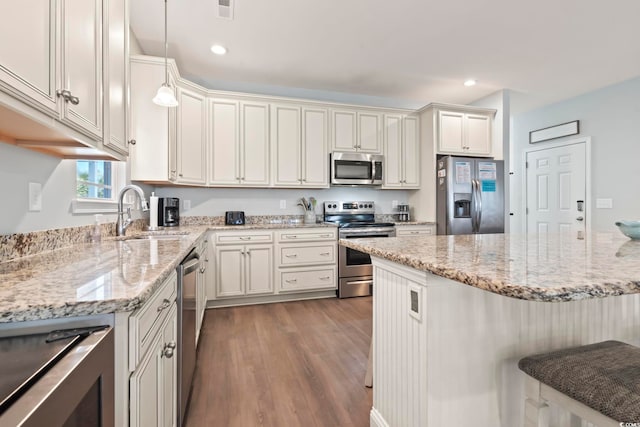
x: 146, y: 321
x: 307, y: 235
x: 415, y: 231
x: 295, y: 280
x: 233, y: 238
x: 308, y: 254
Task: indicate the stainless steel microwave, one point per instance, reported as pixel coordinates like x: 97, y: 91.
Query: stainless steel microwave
x: 356, y: 169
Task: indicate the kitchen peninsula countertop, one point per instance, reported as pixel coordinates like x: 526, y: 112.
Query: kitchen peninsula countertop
x: 529, y: 267
x: 117, y: 274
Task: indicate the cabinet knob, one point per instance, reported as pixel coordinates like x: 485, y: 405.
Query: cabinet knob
x: 132, y: 142
x: 202, y: 270
x: 165, y: 303
x: 74, y: 99
x: 179, y: 174
x: 168, y: 349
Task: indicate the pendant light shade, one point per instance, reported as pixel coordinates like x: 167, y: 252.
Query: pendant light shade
x: 165, y: 97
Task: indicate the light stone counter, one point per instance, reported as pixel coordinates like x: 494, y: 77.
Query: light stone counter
x: 118, y: 274
x: 529, y: 267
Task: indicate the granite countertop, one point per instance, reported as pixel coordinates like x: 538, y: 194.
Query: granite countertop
x: 117, y: 274
x: 548, y: 268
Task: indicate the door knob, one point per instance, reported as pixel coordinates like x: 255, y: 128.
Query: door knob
x: 580, y: 218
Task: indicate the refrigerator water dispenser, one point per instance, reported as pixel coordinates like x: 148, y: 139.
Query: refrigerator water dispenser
x: 462, y: 205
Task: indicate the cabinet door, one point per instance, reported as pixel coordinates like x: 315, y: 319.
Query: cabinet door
x: 393, y: 158
x: 191, y: 142
x: 149, y: 157
x: 224, y: 120
x: 169, y: 378
x: 411, y: 152
x: 315, y: 165
x: 145, y: 388
x: 210, y: 276
x: 450, y: 131
x: 28, y: 58
x: 82, y: 65
x: 229, y: 270
x: 344, y: 130
x: 478, y: 134
x: 116, y: 87
x: 285, y: 138
x: 255, y: 144
x: 259, y: 269
x: 369, y: 133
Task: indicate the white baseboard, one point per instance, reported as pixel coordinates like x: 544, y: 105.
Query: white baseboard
x: 267, y: 299
x: 376, y: 420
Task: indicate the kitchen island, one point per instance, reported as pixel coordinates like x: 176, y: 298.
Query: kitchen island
x: 454, y: 314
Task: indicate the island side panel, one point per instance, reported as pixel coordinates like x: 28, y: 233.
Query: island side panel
x: 458, y: 363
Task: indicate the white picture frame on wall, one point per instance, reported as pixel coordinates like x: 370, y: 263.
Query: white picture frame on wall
x: 554, y: 132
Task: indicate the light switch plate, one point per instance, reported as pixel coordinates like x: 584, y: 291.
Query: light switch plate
x: 604, y: 203
x: 283, y: 204
x: 186, y: 205
x: 35, y: 197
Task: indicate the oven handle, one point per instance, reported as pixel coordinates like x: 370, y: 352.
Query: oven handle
x: 382, y: 232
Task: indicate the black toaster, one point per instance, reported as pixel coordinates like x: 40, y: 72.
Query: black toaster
x: 234, y: 218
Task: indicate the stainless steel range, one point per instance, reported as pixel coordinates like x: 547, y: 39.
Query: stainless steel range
x: 355, y: 220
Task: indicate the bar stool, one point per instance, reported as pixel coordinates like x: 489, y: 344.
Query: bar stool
x: 600, y: 383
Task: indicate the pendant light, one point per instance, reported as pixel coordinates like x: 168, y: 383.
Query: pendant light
x: 165, y: 97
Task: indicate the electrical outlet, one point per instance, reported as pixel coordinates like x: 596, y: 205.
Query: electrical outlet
x: 35, y: 197
x: 283, y: 204
x: 186, y: 205
x: 604, y: 203
x: 394, y: 204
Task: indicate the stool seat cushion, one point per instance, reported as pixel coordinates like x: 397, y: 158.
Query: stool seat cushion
x: 604, y: 376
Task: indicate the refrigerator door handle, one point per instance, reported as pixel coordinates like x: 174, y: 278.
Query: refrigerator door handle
x: 474, y: 205
x: 479, y: 210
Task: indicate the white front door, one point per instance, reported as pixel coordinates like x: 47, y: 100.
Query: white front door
x: 556, y: 190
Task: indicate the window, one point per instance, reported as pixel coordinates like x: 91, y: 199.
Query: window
x: 98, y: 183
x: 94, y: 179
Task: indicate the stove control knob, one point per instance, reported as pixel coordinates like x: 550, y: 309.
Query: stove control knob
x: 370, y: 206
x: 334, y: 206
x: 360, y: 206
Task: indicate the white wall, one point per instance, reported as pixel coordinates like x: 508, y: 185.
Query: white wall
x: 611, y: 117
x: 19, y: 167
x: 215, y: 201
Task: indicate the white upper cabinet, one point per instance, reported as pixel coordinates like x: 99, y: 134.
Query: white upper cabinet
x: 152, y: 156
x: 356, y: 131
x: 239, y: 143
x: 224, y: 122
x: 401, y: 152
x: 82, y: 66
x: 55, y: 65
x: 29, y: 68
x: 191, y: 142
x: 299, y: 146
x: 460, y: 132
x: 116, y: 24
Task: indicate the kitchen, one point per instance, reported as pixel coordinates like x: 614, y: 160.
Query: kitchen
x: 596, y: 105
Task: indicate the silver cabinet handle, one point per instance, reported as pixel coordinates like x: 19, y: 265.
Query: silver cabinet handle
x: 165, y: 303
x: 132, y: 142
x: 74, y: 100
x: 179, y: 174
x: 202, y: 270
x: 292, y: 256
x: 415, y: 232
x: 245, y: 237
x: 325, y: 278
x: 291, y: 236
x: 291, y: 281
x: 325, y: 253
x: 325, y: 235
x: 580, y: 218
x: 67, y: 96
x: 167, y: 351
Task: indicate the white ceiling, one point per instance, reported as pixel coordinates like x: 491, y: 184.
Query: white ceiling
x: 405, y: 52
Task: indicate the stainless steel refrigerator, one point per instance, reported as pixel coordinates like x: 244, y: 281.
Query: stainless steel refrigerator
x: 470, y: 195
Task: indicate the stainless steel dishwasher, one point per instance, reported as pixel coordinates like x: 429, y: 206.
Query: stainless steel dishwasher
x: 187, y: 273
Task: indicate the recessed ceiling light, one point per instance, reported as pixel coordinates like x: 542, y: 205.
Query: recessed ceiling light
x: 470, y: 82
x: 218, y: 50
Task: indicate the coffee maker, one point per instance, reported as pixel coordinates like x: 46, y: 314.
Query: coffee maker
x: 168, y: 211
x: 403, y: 212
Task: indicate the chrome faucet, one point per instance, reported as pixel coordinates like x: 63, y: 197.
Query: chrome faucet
x: 122, y: 224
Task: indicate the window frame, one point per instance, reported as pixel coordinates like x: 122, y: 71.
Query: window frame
x: 88, y: 205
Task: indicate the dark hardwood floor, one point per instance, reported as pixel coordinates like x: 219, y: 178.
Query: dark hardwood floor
x: 287, y: 364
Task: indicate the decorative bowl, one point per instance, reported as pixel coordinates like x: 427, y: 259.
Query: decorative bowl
x: 630, y: 229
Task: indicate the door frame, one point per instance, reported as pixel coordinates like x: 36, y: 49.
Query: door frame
x: 586, y: 140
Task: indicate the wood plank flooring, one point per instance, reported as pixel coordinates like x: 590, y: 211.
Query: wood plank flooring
x: 286, y: 364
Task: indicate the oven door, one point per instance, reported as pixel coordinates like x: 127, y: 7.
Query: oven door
x: 77, y: 391
x: 353, y: 263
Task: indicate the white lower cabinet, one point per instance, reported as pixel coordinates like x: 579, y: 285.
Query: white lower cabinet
x: 415, y: 230
x: 242, y: 267
x: 201, y: 286
x: 153, y: 337
x: 307, y: 259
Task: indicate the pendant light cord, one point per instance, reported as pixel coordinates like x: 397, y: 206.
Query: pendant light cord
x: 166, y: 48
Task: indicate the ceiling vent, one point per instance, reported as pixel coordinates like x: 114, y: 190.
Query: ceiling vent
x: 225, y: 9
